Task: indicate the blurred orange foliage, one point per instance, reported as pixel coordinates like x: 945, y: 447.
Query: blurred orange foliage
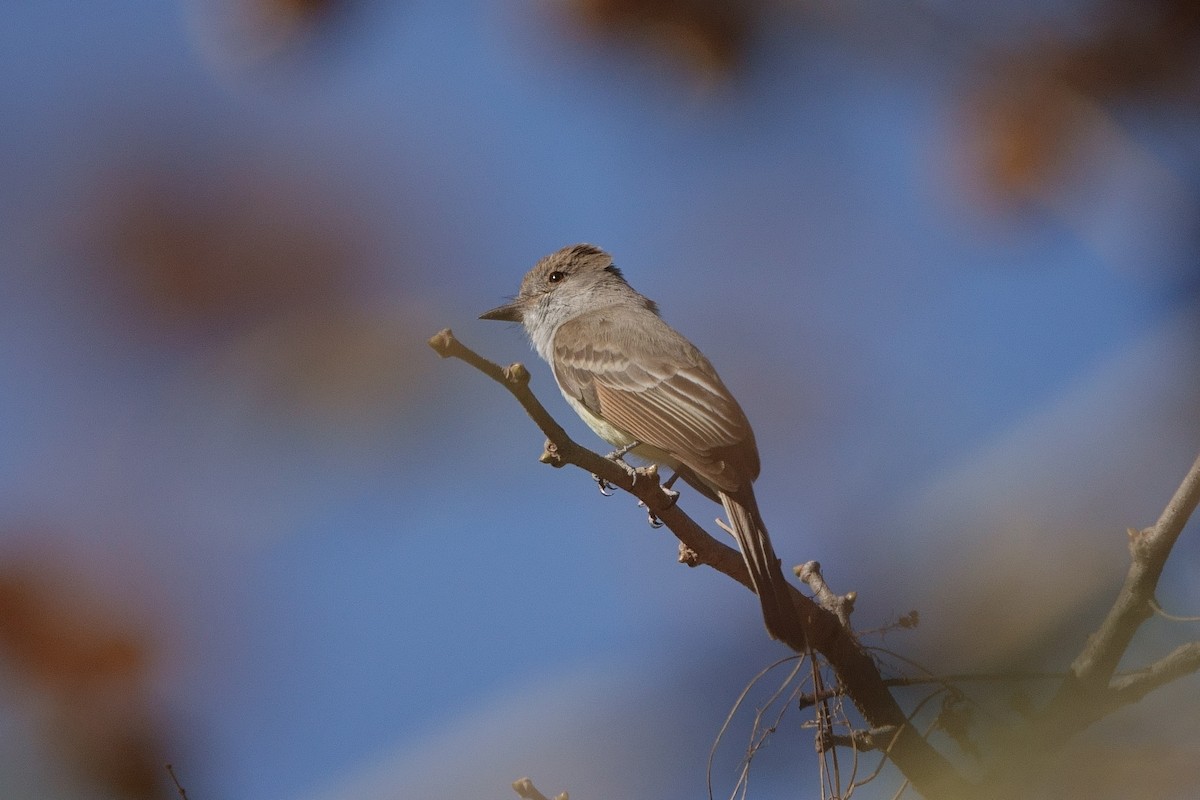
x: 711, y: 36
x: 214, y: 251
x: 1042, y: 101
x: 85, y: 670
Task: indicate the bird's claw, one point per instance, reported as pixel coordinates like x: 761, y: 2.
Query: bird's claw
x: 649, y: 516
x: 617, y: 457
x: 654, y: 521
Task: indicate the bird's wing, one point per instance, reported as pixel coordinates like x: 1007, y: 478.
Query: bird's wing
x: 661, y: 391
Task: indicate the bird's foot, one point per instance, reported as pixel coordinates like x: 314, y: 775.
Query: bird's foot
x: 654, y: 520
x: 620, y: 453
x: 617, y: 457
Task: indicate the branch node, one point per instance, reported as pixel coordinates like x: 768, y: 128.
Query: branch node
x: 1139, y: 542
x: 551, y: 456
x: 841, y: 605
x: 516, y: 373
x: 688, y: 556
x: 807, y: 568
x: 443, y: 342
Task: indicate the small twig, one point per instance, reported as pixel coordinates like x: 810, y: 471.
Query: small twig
x: 841, y: 605
x: 887, y: 748
x: 861, y: 740
x: 1157, y: 609
x: 853, y: 779
x: 758, y: 733
x: 833, y: 776
x: 178, y: 785
x: 812, y: 698
x: 907, y: 621
x: 741, y: 698
x: 524, y: 788
x: 1183, y: 660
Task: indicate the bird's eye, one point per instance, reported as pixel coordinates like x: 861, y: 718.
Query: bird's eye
x: 556, y: 276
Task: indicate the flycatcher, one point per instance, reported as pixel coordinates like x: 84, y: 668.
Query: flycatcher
x: 644, y: 388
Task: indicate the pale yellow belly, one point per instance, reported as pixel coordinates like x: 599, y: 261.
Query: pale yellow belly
x: 619, y: 438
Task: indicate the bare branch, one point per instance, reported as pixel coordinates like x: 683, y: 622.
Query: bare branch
x: 1149, y: 548
x: 928, y: 770
x: 1182, y: 661
x: 561, y: 450
x: 1088, y: 693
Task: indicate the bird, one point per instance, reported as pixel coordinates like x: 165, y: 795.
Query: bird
x: 645, y: 389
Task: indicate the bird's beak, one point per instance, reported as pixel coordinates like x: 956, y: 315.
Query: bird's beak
x: 512, y: 312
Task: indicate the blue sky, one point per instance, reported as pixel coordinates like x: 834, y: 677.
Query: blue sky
x: 351, y: 564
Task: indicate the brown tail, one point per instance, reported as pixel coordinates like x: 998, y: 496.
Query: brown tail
x: 779, y: 613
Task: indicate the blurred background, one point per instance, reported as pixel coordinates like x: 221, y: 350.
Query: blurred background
x: 946, y: 254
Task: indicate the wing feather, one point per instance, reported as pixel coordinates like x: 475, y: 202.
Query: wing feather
x: 660, y: 390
